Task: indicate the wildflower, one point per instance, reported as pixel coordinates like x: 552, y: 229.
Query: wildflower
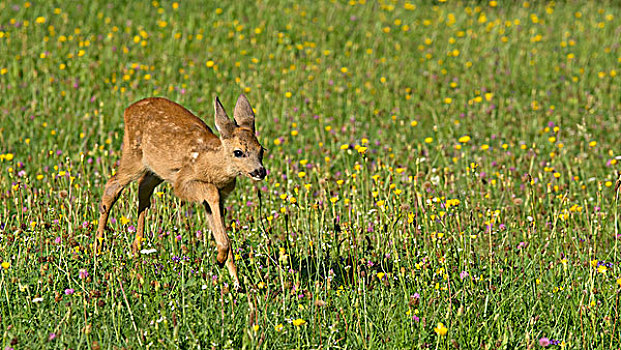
x: 279, y: 327
x: 69, y: 291
x: 380, y: 275
x: 298, y: 322
x: 544, y: 342
x: 83, y: 273
x: 5, y: 265
x: 440, y: 329
x: 464, y: 139
x: 148, y: 251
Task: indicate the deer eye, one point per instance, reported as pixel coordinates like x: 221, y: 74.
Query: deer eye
x: 238, y: 153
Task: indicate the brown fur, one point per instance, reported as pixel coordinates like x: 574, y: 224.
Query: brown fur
x: 163, y: 141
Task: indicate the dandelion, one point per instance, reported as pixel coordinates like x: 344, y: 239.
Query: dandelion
x: 5, y: 265
x: 440, y: 329
x: 298, y: 322
x: 464, y: 139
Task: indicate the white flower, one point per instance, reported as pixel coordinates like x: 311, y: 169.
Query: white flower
x: 148, y: 251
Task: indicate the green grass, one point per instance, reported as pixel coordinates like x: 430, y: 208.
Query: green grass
x: 453, y: 163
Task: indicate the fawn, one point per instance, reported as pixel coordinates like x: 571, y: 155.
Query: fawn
x: 163, y: 141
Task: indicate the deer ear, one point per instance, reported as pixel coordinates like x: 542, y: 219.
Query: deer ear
x: 243, y: 114
x: 224, y: 125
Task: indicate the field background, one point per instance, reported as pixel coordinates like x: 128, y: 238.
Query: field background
x: 429, y: 162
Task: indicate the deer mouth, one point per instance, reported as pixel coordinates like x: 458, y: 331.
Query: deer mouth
x: 258, y: 174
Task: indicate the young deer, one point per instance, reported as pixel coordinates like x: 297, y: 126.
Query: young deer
x: 163, y: 141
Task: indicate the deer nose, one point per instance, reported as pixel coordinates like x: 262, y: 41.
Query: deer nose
x: 259, y: 174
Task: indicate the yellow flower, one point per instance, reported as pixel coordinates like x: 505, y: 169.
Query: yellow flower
x: 464, y: 139
x: 429, y: 140
x: 5, y: 265
x: 362, y: 149
x: 619, y: 281
x: 301, y: 174
x: 440, y: 329
x: 380, y: 275
x: 278, y: 327
x: 298, y: 322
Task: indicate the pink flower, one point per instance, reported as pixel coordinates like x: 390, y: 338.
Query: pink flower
x: 544, y: 342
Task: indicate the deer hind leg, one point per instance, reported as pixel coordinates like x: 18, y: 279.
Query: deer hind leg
x: 129, y: 170
x: 146, y: 185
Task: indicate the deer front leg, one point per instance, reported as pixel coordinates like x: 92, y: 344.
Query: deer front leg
x: 213, y: 207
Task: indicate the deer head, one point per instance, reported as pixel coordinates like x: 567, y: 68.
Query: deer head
x: 243, y: 151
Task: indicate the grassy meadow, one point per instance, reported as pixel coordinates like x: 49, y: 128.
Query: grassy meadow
x: 441, y: 175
